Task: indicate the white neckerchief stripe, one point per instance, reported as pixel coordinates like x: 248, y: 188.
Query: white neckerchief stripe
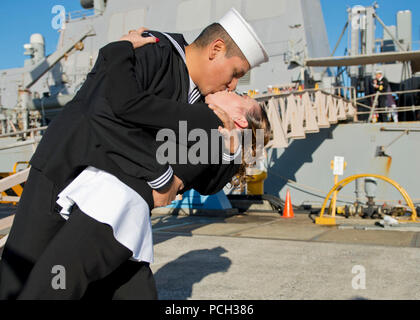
x: 194, y: 100
x: 191, y: 95
x: 177, y: 46
x: 195, y: 94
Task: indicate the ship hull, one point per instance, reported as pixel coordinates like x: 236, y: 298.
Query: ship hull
x: 305, y: 166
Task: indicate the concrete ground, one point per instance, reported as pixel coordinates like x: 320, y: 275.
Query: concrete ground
x: 263, y: 256
x: 258, y: 256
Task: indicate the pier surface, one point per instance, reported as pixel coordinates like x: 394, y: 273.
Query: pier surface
x: 264, y: 256
x: 254, y: 256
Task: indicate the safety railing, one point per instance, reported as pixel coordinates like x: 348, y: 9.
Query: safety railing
x: 346, y: 93
x: 79, y: 14
x: 388, y: 93
x: 294, y: 114
x: 394, y: 109
x: 11, y: 181
x: 31, y: 139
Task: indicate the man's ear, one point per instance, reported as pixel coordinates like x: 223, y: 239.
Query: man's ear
x: 241, y: 122
x: 216, y: 48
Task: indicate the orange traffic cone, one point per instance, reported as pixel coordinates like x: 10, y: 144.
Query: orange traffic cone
x: 288, y: 209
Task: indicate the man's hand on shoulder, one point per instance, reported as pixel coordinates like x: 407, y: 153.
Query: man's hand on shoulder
x: 136, y: 38
x: 165, y: 197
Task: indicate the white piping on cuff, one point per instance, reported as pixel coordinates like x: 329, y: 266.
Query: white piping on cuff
x: 228, y: 157
x: 162, y: 180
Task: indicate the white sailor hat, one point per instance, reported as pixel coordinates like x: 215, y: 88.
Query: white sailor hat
x: 379, y: 71
x: 245, y: 37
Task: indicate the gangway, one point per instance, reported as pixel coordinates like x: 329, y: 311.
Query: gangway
x: 294, y: 114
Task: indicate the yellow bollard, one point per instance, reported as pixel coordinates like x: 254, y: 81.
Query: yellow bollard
x: 337, y: 165
x: 255, y: 182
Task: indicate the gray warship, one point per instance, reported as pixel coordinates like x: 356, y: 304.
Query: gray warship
x: 315, y: 117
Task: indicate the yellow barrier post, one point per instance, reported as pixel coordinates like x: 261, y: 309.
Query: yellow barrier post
x: 337, y: 165
x: 255, y: 181
x: 341, y: 184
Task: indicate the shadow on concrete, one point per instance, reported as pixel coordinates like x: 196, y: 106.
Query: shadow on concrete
x: 169, y: 226
x: 176, y: 279
x: 359, y: 298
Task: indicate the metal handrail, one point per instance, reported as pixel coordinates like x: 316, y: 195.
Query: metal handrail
x: 79, y: 14
x: 20, y: 144
x: 387, y: 93
x: 267, y: 96
x: 34, y: 139
x: 388, y: 109
x: 11, y: 134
